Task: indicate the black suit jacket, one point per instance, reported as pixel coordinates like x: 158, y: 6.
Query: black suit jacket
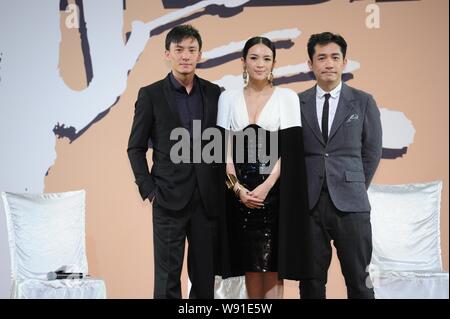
x: 155, y: 117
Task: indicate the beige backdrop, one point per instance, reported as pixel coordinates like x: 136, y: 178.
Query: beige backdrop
x: 404, y: 64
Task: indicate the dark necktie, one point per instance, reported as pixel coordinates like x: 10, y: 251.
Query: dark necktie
x: 326, y: 109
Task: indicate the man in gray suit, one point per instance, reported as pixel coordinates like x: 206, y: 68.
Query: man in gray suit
x: 343, y: 143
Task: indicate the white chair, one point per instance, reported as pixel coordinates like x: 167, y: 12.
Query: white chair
x: 406, y: 259
x: 230, y: 288
x: 45, y: 232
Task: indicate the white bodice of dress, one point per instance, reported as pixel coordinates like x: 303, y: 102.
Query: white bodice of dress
x: 281, y: 111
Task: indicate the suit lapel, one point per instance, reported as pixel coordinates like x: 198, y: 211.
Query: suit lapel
x: 345, y: 105
x: 308, y: 108
x: 204, y: 93
x: 168, y: 94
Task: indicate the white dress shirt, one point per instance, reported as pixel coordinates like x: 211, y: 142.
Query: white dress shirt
x: 333, y: 103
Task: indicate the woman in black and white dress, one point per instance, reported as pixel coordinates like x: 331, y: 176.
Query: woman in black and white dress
x: 267, y: 199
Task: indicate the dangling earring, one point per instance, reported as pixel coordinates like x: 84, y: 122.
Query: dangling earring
x: 270, y: 78
x: 245, y: 77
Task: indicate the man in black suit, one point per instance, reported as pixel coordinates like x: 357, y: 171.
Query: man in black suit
x: 185, y: 196
x: 342, y: 140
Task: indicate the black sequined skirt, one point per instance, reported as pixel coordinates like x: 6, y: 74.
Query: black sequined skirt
x: 258, y: 227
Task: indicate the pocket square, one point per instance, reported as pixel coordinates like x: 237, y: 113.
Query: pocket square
x: 352, y: 117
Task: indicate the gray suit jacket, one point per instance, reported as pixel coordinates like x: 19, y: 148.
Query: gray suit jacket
x: 351, y: 156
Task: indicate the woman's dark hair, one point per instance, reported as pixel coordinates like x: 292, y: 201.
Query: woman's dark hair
x: 323, y: 39
x: 258, y: 40
x: 181, y: 32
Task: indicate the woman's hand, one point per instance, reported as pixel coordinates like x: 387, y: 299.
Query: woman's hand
x: 261, y: 191
x: 248, y: 200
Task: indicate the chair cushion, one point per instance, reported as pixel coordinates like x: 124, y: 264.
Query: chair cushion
x: 410, y: 285
x: 45, y: 232
x: 230, y: 288
x: 406, y: 227
x: 89, y: 288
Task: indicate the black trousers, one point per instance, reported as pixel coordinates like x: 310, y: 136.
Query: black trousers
x: 352, y: 236
x: 170, y: 230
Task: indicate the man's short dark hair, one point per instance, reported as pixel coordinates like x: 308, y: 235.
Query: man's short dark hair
x: 181, y: 32
x: 323, y: 39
